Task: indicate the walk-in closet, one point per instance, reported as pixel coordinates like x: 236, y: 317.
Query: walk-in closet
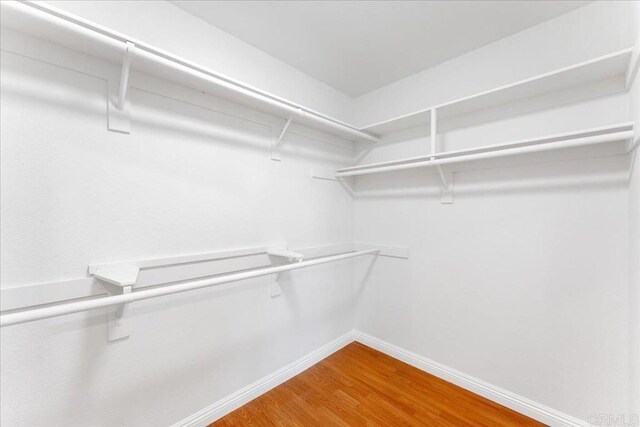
x: 319, y: 213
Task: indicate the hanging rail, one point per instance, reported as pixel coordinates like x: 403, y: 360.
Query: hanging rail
x: 76, y: 307
x: 618, y: 133
x: 102, y: 34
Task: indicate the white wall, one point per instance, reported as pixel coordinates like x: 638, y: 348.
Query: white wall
x: 634, y: 237
x: 597, y: 29
x: 523, y: 282
x: 194, y: 175
x: 168, y: 27
x: 634, y: 266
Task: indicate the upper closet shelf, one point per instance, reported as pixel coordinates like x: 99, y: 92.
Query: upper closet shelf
x: 612, y: 66
x: 619, y: 134
x: 70, y: 31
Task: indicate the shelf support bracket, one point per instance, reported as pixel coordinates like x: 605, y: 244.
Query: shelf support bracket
x: 284, y: 131
x: 277, y: 145
x: 361, y: 155
x: 279, y: 255
x: 443, y: 178
x: 117, y: 281
x: 446, y: 178
x: 119, y: 119
x: 343, y: 182
x: 446, y: 190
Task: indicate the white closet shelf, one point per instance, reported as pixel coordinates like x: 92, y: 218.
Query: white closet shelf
x: 121, y: 299
x: 618, y: 133
x: 52, y: 24
x: 72, y: 32
x: 611, y: 66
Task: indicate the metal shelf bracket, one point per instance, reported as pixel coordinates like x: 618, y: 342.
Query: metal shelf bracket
x: 446, y: 190
x: 280, y: 255
x: 446, y: 178
x: 119, y: 119
x: 277, y: 144
x: 117, y: 281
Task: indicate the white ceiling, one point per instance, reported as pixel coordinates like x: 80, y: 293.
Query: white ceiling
x: 359, y: 46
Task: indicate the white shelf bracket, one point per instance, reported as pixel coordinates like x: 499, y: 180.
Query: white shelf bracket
x: 281, y: 255
x: 446, y: 190
x: 361, y: 154
x: 284, y: 131
x: 118, y: 281
x: 345, y: 184
x: 119, y: 119
x: 277, y: 145
x: 443, y: 178
x: 446, y: 179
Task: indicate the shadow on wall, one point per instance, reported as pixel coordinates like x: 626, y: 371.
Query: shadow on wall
x: 180, y: 118
x: 183, y: 117
x: 546, y: 101
x: 209, y: 343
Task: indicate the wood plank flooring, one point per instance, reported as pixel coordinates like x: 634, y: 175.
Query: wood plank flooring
x: 359, y: 386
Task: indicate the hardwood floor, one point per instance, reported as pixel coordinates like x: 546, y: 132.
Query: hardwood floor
x: 359, y: 386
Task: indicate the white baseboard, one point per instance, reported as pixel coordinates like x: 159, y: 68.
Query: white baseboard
x: 506, y: 398
x: 232, y: 402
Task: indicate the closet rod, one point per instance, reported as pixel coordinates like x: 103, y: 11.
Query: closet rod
x: 76, y: 307
x: 102, y: 34
x: 578, y: 142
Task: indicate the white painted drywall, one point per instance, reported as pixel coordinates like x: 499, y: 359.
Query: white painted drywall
x: 634, y: 237
x: 590, y: 31
x: 354, y: 46
x: 195, y: 175
x: 168, y: 27
x: 523, y: 282
x: 634, y: 260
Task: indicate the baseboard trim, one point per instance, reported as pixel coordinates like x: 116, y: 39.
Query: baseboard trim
x: 232, y: 402
x: 506, y: 398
